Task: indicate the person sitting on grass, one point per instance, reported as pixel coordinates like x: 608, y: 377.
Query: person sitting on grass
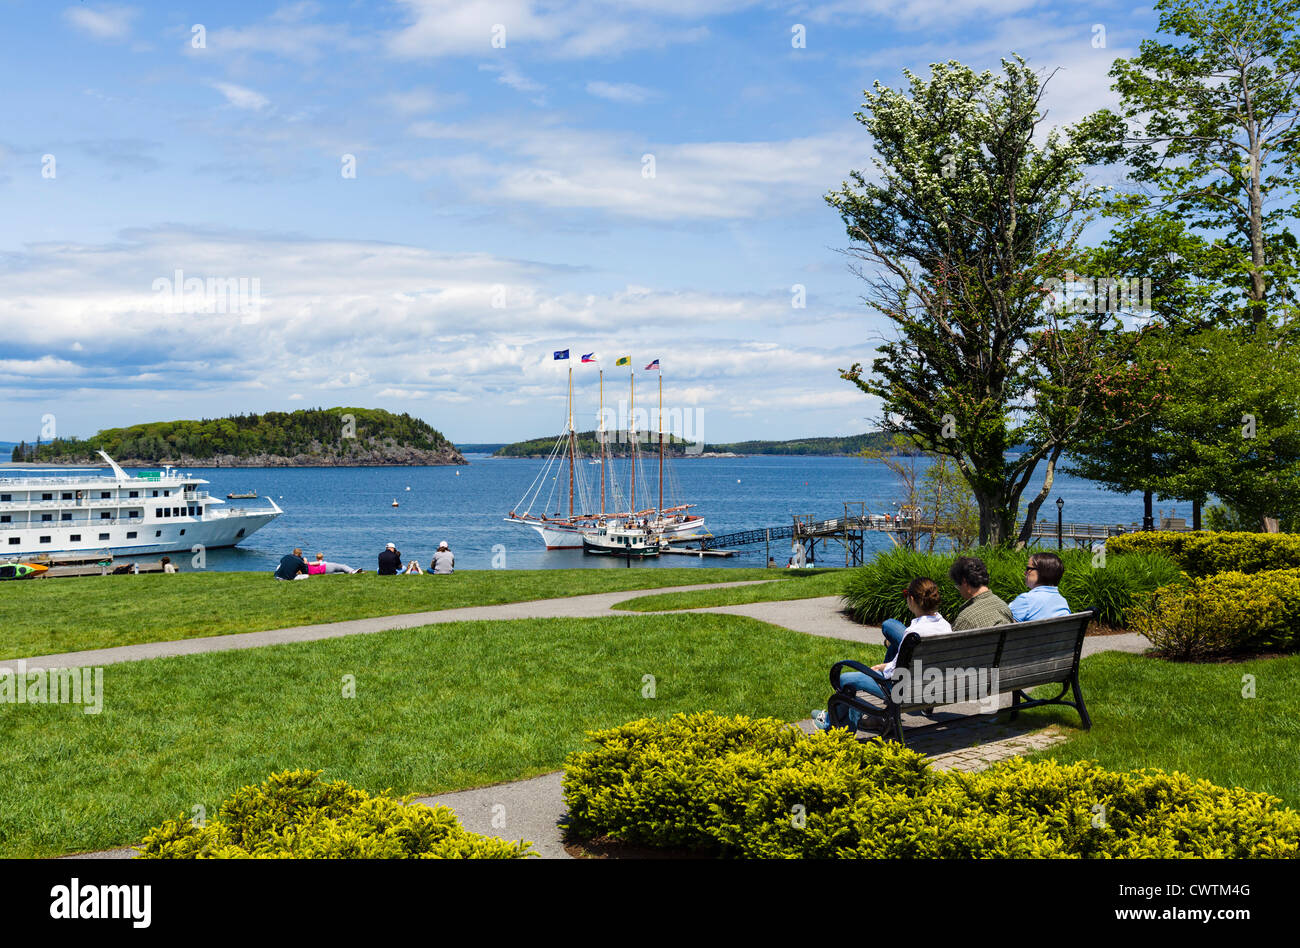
x: 922, y: 598
x: 292, y: 566
x: 444, y: 561
x: 982, y: 609
x: 413, y: 569
x: 390, y: 561
x: 1044, y: 599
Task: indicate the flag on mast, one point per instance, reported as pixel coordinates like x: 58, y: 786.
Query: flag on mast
x: 653, y: 365
x: 624, y: 360
x: 561, y: 354
x: 589, y: 357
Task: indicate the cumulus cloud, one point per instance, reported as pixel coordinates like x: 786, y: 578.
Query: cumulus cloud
x: 624, y: 92
x: 102, y: 22
x: 369, y: 323
x: 565, y: 167
x: 242, y: 98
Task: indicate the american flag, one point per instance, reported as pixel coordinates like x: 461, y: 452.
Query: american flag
x: 653, y: 365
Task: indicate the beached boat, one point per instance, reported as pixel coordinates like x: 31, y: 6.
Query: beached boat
x: 88, y: 511
x: 21, y: 570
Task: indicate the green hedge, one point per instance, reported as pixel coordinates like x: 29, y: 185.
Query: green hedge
x: 1204, y: 553
x: 293, y: 815
x: 759, y: 788
x: 1225, y: 614
x: 874, y: 592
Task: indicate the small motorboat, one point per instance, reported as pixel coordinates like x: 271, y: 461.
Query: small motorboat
x: 618, y: 538
x: 21, y: 570
x: 395, y: 503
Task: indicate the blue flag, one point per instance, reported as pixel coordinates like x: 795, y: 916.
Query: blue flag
x: 561, y: 354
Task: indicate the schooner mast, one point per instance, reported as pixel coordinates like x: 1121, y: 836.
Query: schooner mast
x: 661, y: 442
x: 631, y: 437
x: 602, y: 443
x: 572, y: 442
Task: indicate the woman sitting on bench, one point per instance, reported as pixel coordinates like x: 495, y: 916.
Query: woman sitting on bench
x: 923, y: 600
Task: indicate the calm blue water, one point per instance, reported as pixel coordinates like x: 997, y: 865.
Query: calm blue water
x: 346, y: 513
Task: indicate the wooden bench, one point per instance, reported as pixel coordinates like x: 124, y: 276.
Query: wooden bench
x: 935, y: 670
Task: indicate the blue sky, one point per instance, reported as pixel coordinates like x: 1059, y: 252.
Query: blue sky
x: 500, y: 207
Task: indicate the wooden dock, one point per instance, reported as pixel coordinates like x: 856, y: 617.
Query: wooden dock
x: 857, y: 521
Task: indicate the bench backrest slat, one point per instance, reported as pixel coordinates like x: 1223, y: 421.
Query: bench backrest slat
x: 1001, y: 658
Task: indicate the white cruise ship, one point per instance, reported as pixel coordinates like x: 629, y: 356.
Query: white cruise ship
x: 150, y: 512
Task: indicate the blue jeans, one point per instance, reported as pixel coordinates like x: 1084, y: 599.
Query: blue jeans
x: 894, y: 632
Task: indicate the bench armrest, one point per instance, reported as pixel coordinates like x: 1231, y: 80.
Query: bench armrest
x: 856, y: 666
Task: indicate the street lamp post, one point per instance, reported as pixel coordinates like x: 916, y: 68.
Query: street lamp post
x: 1060, y: 508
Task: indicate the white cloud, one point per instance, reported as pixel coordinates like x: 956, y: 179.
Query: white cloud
x: 563, y: 167
x: 562, y: 28
x: 242, y: 98
x: 625, y: 92
x: 287, y: 33
x: 373, y: 322
x: 415, y: 101
x: 105, y: 22
x: 512, y: 77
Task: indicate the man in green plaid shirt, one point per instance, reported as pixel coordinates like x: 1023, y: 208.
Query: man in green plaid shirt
x: 982, y: 608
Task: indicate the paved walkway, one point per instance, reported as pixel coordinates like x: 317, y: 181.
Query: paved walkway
x: 953, y: 738
x: 596, y: 605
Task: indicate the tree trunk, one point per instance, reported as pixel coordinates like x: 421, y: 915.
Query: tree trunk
x: 1196, y: 514
x: 1148, y: 520
x: 997, y: 522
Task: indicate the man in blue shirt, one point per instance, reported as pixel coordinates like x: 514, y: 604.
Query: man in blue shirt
x: 1044, y: 600
x: 291, y: 565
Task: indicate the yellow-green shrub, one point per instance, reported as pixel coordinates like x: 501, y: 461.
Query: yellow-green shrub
x: 294, y: 815
x: 734, y: 786
x: 1223, y: 614
x: 1204, y: 552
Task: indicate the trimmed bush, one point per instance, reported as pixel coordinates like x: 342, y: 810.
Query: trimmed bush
x: 1225, y: 614
x: 294, y: 815
x: 874, y: 592
x: 1204, y: 552
x: 738, y: 787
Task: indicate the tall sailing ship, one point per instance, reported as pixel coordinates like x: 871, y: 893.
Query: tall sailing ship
x: 573, y: 519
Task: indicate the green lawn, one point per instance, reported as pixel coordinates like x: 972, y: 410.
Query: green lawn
x: 1190, y: 717
x: 801, y: 584
x: 48, y: 616
x: 437, y: 708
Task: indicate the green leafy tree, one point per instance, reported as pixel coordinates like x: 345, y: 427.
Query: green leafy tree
x: 1212, y: 121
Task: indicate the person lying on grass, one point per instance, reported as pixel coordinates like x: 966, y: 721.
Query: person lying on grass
x: 922, y: 597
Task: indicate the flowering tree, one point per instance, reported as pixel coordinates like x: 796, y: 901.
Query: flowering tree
x: 963, y: 235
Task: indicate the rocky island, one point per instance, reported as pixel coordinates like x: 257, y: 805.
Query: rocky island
x: 316, y: 437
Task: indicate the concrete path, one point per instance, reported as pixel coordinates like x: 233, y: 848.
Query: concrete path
x: 953, y: 738
x: 596, y: 605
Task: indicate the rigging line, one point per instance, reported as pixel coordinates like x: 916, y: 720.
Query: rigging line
x: 534, y: 489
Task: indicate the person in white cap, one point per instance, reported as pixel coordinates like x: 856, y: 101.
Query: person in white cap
x: 390, y: 561
x: 444, y: 561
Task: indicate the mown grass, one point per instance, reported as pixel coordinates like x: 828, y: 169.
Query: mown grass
x: 48, y: 616
x: 1147, y: 712
x: 796, y: 584
x: 437, y: 708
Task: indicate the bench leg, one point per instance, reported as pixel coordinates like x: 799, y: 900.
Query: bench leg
x: 1078, y: 701
x: 1015, y: 704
